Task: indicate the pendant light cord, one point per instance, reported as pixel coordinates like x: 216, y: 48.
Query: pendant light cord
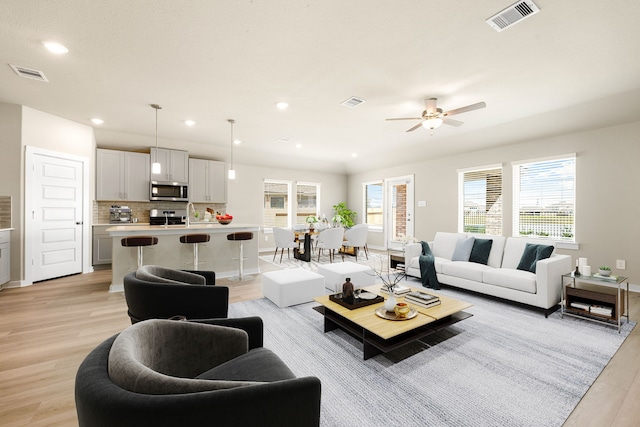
x: 232, y: 122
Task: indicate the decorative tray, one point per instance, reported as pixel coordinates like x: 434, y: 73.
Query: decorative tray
x: 358, y: 302
x: 390, y: 315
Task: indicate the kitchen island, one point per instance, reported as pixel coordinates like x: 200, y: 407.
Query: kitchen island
x: 218, y: 255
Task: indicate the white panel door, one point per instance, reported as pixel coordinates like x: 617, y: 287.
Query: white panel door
x: 56, y: 201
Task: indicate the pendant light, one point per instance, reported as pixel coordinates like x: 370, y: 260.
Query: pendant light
x: 156, y: 168
x: 232, y: 172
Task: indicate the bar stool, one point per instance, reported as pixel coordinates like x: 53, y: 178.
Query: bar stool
x: 139, y: 242
x: 195, y: 239
x: 240, y: 236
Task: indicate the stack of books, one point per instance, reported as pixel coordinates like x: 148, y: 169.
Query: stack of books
x: 397, y: 290
x: 422, y: 299
x: 601, y: 310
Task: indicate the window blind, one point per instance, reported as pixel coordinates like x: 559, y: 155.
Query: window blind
x: 544, y: 199
x: 481, y: 201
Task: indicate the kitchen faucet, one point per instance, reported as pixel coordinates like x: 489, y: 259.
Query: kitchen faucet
x: 192, y: 208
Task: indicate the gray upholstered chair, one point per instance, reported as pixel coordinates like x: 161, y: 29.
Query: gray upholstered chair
x: 154, y: 292
x: 169, y: 373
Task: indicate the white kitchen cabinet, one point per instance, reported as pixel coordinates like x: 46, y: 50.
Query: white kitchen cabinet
x: 5, y: 257
x: 102, y: 245
x: 122, y: 175
x: 174, y: 164
x: 207, y: 181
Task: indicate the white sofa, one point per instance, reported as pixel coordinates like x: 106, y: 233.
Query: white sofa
x: 500, y: 277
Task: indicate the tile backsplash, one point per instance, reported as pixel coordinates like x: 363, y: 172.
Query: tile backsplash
x: 5, y: 211
x: 140, y: 210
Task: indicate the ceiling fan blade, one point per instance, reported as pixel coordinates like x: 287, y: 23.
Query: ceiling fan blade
x: 415, y: 127
x: 407, y: 118
x: 465, y: 109
x: 430, y: 105
x: 452, y: 122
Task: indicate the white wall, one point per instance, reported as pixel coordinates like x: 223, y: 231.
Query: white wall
x: 607, y: 202
x: 245, y: 193
x: 23, y: 126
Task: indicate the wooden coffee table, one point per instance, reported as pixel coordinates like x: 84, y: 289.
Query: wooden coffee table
x: 379, y: 335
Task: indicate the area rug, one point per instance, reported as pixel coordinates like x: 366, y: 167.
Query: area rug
x: 375, y: 260
x: 505, y: 366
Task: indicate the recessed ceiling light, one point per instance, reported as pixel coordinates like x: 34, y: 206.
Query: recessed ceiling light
x: 282, y: 105
x: 354, y: 154
x: 237, y: 141
x: 189, y: 122
x: 298, y: 145
x: 56, y: 48
x: 97, y: 121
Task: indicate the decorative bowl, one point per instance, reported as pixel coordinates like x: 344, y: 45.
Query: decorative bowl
x: 605, y: 273
x: 225, y: 221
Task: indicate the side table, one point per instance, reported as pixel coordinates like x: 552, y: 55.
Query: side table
x: 584, y: 293
x: 396, y: 257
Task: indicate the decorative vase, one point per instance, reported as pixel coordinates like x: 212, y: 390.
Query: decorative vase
x: 390, y: 303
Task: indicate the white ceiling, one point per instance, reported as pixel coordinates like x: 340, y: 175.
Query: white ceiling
x: 575, y: 65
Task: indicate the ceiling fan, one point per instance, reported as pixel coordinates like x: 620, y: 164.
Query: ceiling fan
x: 433, y: 117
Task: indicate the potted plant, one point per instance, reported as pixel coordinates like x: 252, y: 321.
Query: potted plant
x: 343, y: 216
x: 604, y: 271
x: 311, y: 220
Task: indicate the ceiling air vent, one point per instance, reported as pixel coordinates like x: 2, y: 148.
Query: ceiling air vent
x: 512, y: 15
x: 29, y: 73
x: 352, y: 102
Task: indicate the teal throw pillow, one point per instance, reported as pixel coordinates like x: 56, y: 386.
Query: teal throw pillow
x: 532, y: 254
x: 462, y: 252
x: 480, y: 251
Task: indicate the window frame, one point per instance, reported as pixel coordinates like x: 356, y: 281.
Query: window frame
x: 462, y: 199
x: 373, y: 227
x: 291, y: 200
x: 517, y: 196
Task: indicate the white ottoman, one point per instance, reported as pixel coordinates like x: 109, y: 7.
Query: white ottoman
x: 292, y: 286
x: 336, y: 274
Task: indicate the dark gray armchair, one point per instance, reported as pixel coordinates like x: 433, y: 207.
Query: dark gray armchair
x: 154, y: 292
x: 204, y: 376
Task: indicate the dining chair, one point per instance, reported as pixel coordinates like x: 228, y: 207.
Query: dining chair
x: 330, y: 239
x: 356, y: 238
x: 283, y: 238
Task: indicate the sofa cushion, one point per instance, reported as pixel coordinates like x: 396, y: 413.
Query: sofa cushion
x: 463, y: 249
x: 465, y: 270
x: 481, y: 250
x: 511, y: 278
x: 445, y: 243
x: 157, y: 274
x: 532, y: 254
x: 259, y: 364
x: 514, y: 247
x: 497, y: 248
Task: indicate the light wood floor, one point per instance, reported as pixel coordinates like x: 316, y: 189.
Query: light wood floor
x: 47, y: 329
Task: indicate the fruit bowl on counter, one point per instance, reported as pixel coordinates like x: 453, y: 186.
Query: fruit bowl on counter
x: 224, y: 219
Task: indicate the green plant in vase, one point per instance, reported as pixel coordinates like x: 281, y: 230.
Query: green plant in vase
x: 343, y: 216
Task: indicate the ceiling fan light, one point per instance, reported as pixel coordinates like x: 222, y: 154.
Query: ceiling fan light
x: 432, y: 123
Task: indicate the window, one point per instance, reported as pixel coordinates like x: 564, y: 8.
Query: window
x: 307, y: 195
x: 276, y: 206
x: 544, y: 198
x: 373, y: 197
x: 480, y: 200
x: 283, y: 208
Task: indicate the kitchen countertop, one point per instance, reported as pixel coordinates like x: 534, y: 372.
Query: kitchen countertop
x: 7, y: 229
x: 213, y: 227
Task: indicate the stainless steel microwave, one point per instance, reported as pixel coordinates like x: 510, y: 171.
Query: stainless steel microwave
x: 170, y: 191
